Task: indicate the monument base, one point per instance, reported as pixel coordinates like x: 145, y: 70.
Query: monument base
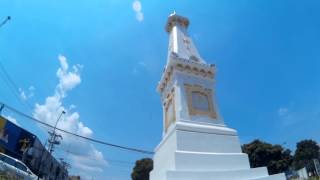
x: 192, y: 151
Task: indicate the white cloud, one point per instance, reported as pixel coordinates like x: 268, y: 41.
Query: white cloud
x: 282, y: 111
x: 50, y: 110
x: 137, y: 8
x: 136, y: 5
x: 22, y: 94
x: 289, y: 117
x: 139, y: 67
x: 142, y: 64
x: 92, y: 161
x: 135, y: 70
x: 72, y: 106
x: 67, y: 79
x: 63, y: 62
x: 32, y: 88
x: 139, y: 16
x: 27, y: 95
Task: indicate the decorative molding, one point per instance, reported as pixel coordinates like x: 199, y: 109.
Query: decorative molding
x: 211, y: 112
x: 188, y: 68
x: 169, y: 101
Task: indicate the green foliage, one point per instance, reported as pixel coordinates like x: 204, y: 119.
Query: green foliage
x: 314, y: 178
x: 274, y: 157
x: 306, y: 151
x: 142, y: 169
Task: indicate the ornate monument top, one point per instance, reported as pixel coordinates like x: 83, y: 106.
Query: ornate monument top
x: 175, y: 19
x: 180, y: 43
x: 182, y: 53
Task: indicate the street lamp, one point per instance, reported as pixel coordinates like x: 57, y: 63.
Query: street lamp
x: 5, y: 21
x: 53, y: 135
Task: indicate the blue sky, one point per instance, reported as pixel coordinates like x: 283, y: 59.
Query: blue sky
x: 267, y: 54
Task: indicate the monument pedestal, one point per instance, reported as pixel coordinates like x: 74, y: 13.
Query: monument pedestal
x: 192, y: 151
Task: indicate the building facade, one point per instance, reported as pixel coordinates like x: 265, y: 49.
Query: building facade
x: 26, y: 147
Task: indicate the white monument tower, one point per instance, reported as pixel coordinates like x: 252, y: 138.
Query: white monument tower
x: 196, y: 144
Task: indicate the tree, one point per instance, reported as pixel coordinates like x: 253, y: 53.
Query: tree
x: 276, y: 158
x: 142, y: 169
x: 306, y: 151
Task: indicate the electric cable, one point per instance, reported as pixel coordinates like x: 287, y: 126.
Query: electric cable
x: 13, y: 86
x: 80, y: 136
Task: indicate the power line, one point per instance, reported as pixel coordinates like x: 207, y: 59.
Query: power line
x: 77, y: 135
x: 6, y: 81
x: 13, y: 86
x: 108, y: 160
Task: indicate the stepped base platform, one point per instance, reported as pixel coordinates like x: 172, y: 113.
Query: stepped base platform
x: 249, y: 174
x: 200, y: 152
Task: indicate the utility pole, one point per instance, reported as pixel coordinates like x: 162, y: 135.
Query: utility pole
x: 5, y: 21
x: 52, y: 141
x: 54, y: 137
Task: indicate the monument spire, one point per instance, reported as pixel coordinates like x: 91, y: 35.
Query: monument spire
x: 180, y: 43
